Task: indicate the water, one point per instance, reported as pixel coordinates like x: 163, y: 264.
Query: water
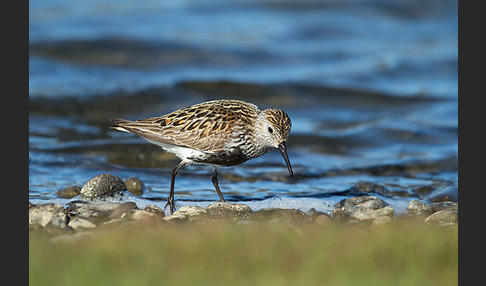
x: 371, y: 88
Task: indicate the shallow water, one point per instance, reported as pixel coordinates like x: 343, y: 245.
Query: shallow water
x: 371, y: 89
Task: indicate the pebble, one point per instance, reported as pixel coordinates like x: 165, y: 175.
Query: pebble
x: 176, y: 217
x: 142, y: 215
x: 319, y: 218
x: 323, y: 219
x: 363, y: 208
x: 82, y: 215
x: 69, y: 192
x: 442, y: 212
x: 192, y: 212
x: 154, y: 209
x: 449, y: 216
x: 419, y: 208
x: 94, y: 211
x: 135, y: 186
x: 122, y: 209
x: 101, y: 186
x: 228, y: 210
x: 80, y: 223
x: 45, y: 215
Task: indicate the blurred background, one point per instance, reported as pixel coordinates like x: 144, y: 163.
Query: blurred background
x: 371, y: 88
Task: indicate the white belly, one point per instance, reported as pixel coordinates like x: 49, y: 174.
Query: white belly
x: 182, y: 152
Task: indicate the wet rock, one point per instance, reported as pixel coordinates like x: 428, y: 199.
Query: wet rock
x: 94, y: 211
x: 101, y: 186
x: 228, y: 210
x: 122, y: 209
x: 45, y: 215
x: 176, y: 218
x: 80, y: 223
x: 449, y: 216
x: 319, y: 218
x: 363, y: 208
x: 69, y: 192
x: 323, y: 219
x: 283, y: 215
x: 143, y: 216
x: 419, y: 208
x: 154, y: 209
x: 135, y: 186
x: 192, y: 212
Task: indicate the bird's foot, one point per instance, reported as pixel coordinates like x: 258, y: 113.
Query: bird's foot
x: 171, y: 204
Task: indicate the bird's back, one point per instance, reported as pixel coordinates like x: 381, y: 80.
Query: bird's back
x: 212, y: 126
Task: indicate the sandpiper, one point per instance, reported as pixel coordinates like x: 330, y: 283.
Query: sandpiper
x: 218, y: 133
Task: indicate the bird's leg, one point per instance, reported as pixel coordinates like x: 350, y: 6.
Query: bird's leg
x: 170, y: 198
x: 215, y: 183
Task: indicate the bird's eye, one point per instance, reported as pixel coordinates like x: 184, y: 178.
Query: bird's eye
x: 270, y: 129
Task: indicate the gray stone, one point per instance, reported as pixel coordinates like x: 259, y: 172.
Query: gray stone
x: 419, y: 208
x: 121, y: 209
x: 176, y: 217
x: 322, y: 219
x: 154, y: 209
x: 44, y: 215
x: 80, y: 223
x: 101, y: 186
x: 319, y: 218
x: 363, y: 208
x: 94, y: 211
x: 449, y: 216
x: 228, y: 210
x: 142, y: 216
x: 135, y: 186
x: 191, y: 212
x: 370, y: 202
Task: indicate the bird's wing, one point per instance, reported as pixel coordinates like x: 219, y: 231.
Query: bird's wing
x: 207, y: 127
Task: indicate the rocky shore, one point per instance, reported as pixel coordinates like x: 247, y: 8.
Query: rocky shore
x: 91, y: 207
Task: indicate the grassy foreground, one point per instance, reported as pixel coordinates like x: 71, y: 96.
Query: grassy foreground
x: 400, y: 253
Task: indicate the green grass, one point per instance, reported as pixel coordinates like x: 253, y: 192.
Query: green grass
x: 400, y: 253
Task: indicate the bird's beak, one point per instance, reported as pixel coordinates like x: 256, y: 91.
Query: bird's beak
x: 282, y: 147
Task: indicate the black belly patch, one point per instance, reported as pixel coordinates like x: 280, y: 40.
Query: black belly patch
x: 227, y: 158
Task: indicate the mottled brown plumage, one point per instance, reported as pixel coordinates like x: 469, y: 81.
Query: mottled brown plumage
x: 218, y: 133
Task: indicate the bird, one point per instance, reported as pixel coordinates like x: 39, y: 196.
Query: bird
x: 219, y: 133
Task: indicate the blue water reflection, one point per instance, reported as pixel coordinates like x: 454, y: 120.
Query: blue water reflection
x: 366, y: 83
